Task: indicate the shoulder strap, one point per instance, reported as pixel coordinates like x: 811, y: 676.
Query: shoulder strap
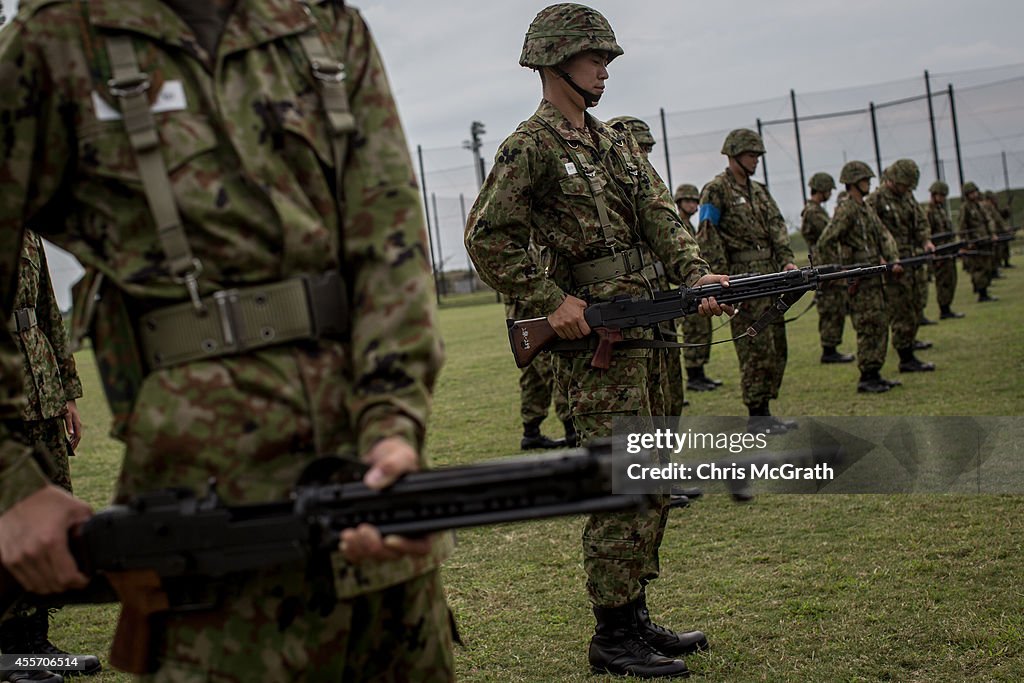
x: 130, y: 85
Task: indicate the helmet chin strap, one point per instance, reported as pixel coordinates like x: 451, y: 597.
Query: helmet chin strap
x: 589, y: 98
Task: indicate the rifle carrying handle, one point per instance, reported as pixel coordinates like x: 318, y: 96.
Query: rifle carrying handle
x: 528, y: 338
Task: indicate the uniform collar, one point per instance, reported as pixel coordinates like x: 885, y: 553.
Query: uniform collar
x: 606, y: 136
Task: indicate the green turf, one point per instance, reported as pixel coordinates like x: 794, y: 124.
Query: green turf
x: 788, y: 588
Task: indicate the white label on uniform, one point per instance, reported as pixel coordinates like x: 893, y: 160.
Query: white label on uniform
x: 740, y: 200
x: 171, y: 98
x: 570, y: 168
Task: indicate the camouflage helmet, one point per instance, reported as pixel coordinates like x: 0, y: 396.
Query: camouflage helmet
x: 640, y: 130
x: 854, y: 172
x: 904, y: 172
x: 560, y: 31
x: 939, y: 187
x: 686, y: 191
x: 822, y: 182
x: 742, y: 140
x: 969, y: 187
x: 989, y: 194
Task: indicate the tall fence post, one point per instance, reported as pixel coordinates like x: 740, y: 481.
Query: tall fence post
x: 664, y: 141
x: 440, y: 252
x: 874, y: 136
x: 764, y: 161
x: 462, y: 207
x: 956, y: 135
x: 931, y: 123
x: 799, y: 149
x: 426, y: 212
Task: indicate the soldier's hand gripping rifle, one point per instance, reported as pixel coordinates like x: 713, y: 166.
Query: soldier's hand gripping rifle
x: 173, y: 551
x: 607, y: 319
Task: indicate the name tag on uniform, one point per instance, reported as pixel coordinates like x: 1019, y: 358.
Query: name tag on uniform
x: 739, y: 201
x: 570, y: 168
x: 170, y: 98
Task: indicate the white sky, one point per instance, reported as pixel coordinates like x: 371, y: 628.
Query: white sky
x: 455, y: 61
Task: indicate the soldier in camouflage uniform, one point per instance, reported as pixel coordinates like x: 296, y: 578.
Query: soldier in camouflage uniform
x: 587, y: 194
x: 669, y: 360
x: 49, y: 420
x: 1000, y: 250
x: 944, y: 270
x: 831, y: 299
x: 536, y: 388
x: 741, y: 230
x: 244, y: 173
x: 856, y: 235
x: 893, y: 202
x: 696, y: 329
x: 978, y: 229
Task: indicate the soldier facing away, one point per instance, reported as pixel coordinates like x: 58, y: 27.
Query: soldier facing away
x: 856, y: 235
x: 944, y: 270
x: 831, y: 299
x: 979, y: 230
x: 578, y: 187
x: 697, y: 332
x: 741, y: 230
x: 278, y: 173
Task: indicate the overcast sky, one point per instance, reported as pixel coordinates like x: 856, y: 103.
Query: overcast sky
x: 455, y: 61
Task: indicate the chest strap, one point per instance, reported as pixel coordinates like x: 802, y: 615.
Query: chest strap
x: 22, y: 319
x: 244, y: 319
x: 608, y: 267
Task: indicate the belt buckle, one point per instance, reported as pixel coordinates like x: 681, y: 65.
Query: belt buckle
x: 226, y: 301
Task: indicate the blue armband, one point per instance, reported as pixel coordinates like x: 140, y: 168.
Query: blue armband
x: 709, y: 212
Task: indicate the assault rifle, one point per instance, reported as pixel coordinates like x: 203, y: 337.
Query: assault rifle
x: 607, y: 319
x: 172, y: 551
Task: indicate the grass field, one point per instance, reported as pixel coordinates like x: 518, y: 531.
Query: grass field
x: 788, y: 588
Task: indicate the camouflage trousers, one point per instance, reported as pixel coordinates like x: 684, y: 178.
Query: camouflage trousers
x: 668, y: 382
x: 536, y: 387
x: 871, y: 322
x: 273, y: 629
x: 981, y: 269
x: 762, y: 358
x: 945, y: 281
x: 696, y: 330
x: 831, y: 305
x: 51, y: 434
x: 923, y: 276
x: 620, y: 550
x: 901, y: 302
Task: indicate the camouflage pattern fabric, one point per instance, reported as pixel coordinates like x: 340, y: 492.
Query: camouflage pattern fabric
x: 976, y: 226
x: 537, y: 192
x: 735, y: 222
x: 254, y: 183
x: 1000, y: 250
x: 945, y: 271
x: 695, y: 329
x: 857, y: 235
x: 906, y: 222
x: 831, y: 300
x: 537, y: 380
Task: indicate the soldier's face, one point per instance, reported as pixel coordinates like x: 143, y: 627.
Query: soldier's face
x: 687, y: 207
x: 589, y: 70
x: 938, y: 199
x: 748, y: 161
x: 864, y: 186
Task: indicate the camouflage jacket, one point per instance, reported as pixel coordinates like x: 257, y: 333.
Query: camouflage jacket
x: 998, y: 222
x: 975, y: 222
x: 814, y: 218
x: 856, y: 235
x: 48, y: 374
x: 244, y: 137
x: 939, y: 223
x: 903, y: 217
x: 735, y: 222
x: 536, y: 190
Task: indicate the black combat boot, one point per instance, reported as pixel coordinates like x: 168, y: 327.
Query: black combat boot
x: 13, y: 641
x: 829, y: 354
x: 666, y: 641
x: 910, y: 363
x: 925, y: 320
x: 533, y: 439
x: 872, y: 383
x: 945, y: 313
x: 617, y: 647
x: 38, y: 638
x: 922, y: 345
x: 761, y: 421
x: 983, y: 296
x: 572, y: 439
x: 697, y: 381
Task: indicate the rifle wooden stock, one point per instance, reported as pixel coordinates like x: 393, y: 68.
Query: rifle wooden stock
x: 528, y: 338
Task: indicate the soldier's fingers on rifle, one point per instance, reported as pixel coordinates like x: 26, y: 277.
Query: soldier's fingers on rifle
x: 34, y: 540
x: 365, y: 542
x: 567, y: 321
x: 389, y: 459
